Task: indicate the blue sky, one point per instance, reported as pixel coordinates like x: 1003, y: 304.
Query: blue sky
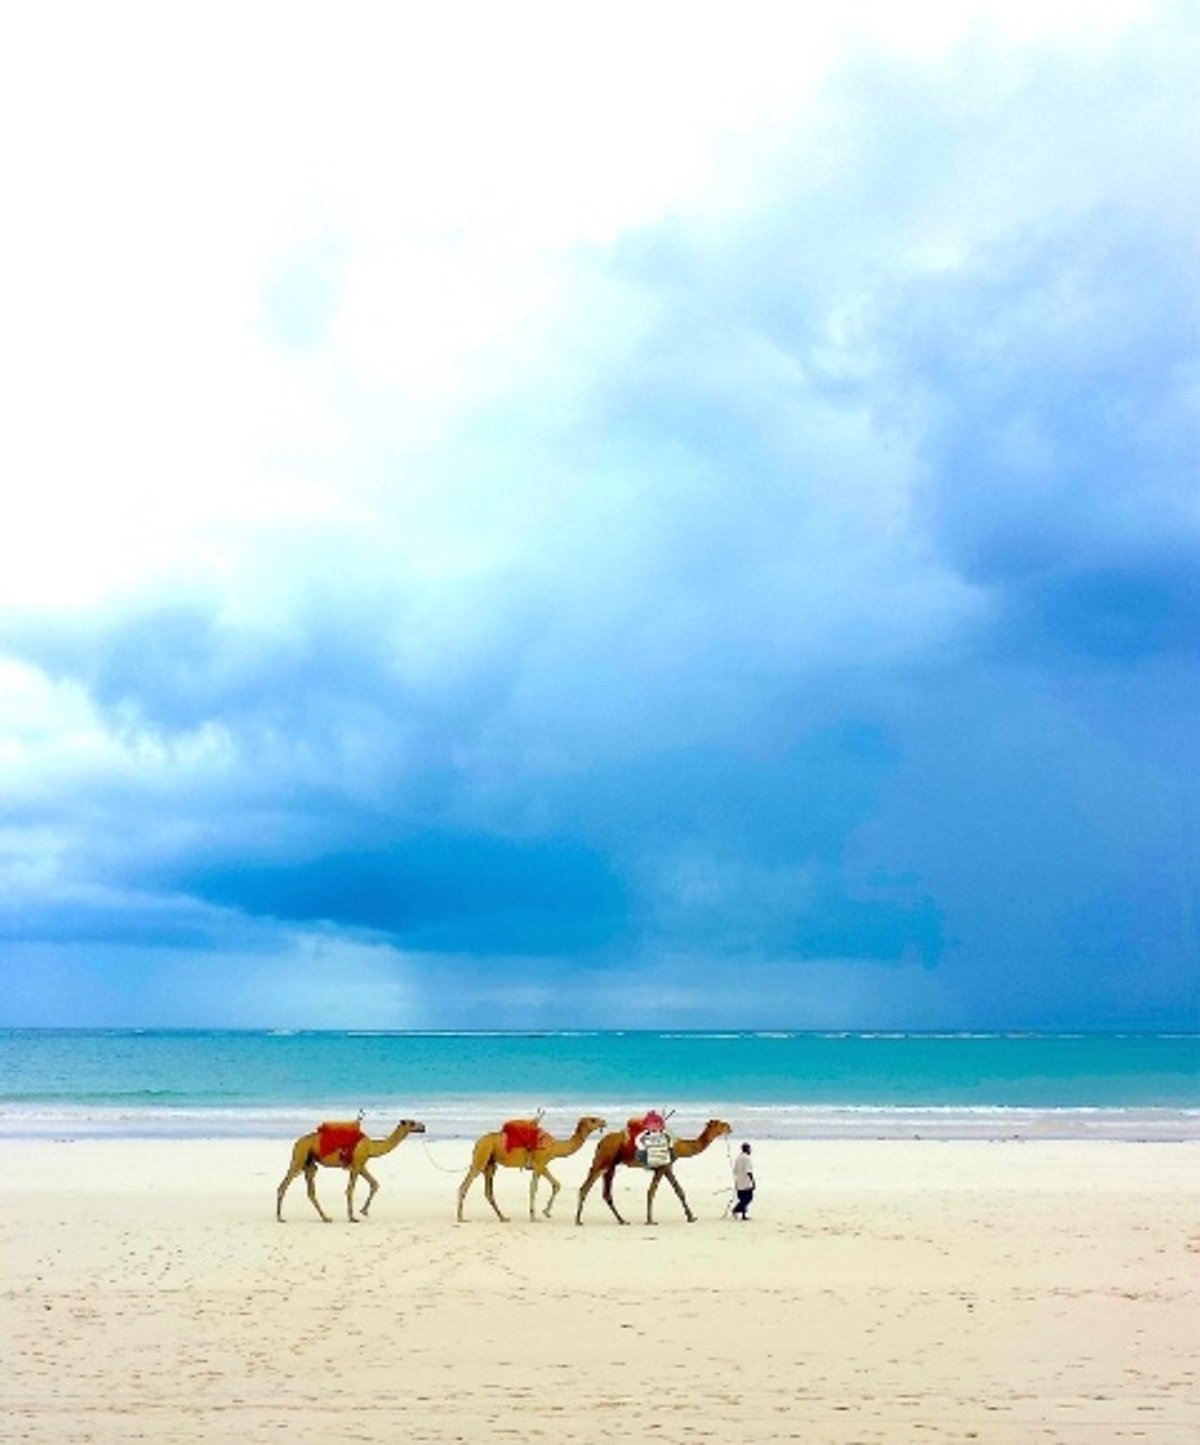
x: 544, y: 519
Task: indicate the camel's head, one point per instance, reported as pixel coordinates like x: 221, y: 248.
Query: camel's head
x: 590, y: 1124
x: 413, y: 1126
x: 716, y: 1127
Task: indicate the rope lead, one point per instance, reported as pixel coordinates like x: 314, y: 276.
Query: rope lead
x: 429, y: 1155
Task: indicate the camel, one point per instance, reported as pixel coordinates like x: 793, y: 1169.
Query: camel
x: 613, y: 1150
x: 345, y: 1147
x: 491, y: 1152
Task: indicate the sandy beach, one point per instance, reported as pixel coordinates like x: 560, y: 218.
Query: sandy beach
x: 883, y: 1291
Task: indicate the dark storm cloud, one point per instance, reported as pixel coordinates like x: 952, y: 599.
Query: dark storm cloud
x: 437, y: 893
x: 1060, y: 456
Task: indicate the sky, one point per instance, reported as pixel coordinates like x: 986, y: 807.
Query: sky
x: 551, y: 517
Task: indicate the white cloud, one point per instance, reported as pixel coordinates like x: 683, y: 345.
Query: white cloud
x: 159, y: 165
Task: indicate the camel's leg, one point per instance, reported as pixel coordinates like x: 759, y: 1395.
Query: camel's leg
x: 300, y: 1158
x: 538, y: 1176
x: 555, y: 1186
x: 676, y: 1186
x: 650, y: 1193
x: 472, y: 1174
x: 599, y: 1169
x: 489, y: 1180
x: 283, y: 1189
x: 374, y: 1183
x: 350, y: 1183
x: 583, y: 1193
x: 609, y: 1176
x: 310, y: 1178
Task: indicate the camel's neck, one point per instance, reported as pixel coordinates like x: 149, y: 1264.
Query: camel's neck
x: 562, y: 1148
x: 686, y: 1148
x: 376, y: 1147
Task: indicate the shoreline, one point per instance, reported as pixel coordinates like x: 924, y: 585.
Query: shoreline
x: 454, y: 1117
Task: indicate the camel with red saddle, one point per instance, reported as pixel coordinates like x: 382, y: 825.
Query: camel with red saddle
x: 341, y: 1145
x: 621, y: 1148
x: 523, y: 1144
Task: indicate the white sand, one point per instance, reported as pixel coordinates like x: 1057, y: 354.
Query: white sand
x: 891, y: 1291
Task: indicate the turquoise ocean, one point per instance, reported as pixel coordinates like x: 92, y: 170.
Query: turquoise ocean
x: 217, y: 1084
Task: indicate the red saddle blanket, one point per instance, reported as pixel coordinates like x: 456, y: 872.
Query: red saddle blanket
x: 522, y: 1134
x: 338, y: 1138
